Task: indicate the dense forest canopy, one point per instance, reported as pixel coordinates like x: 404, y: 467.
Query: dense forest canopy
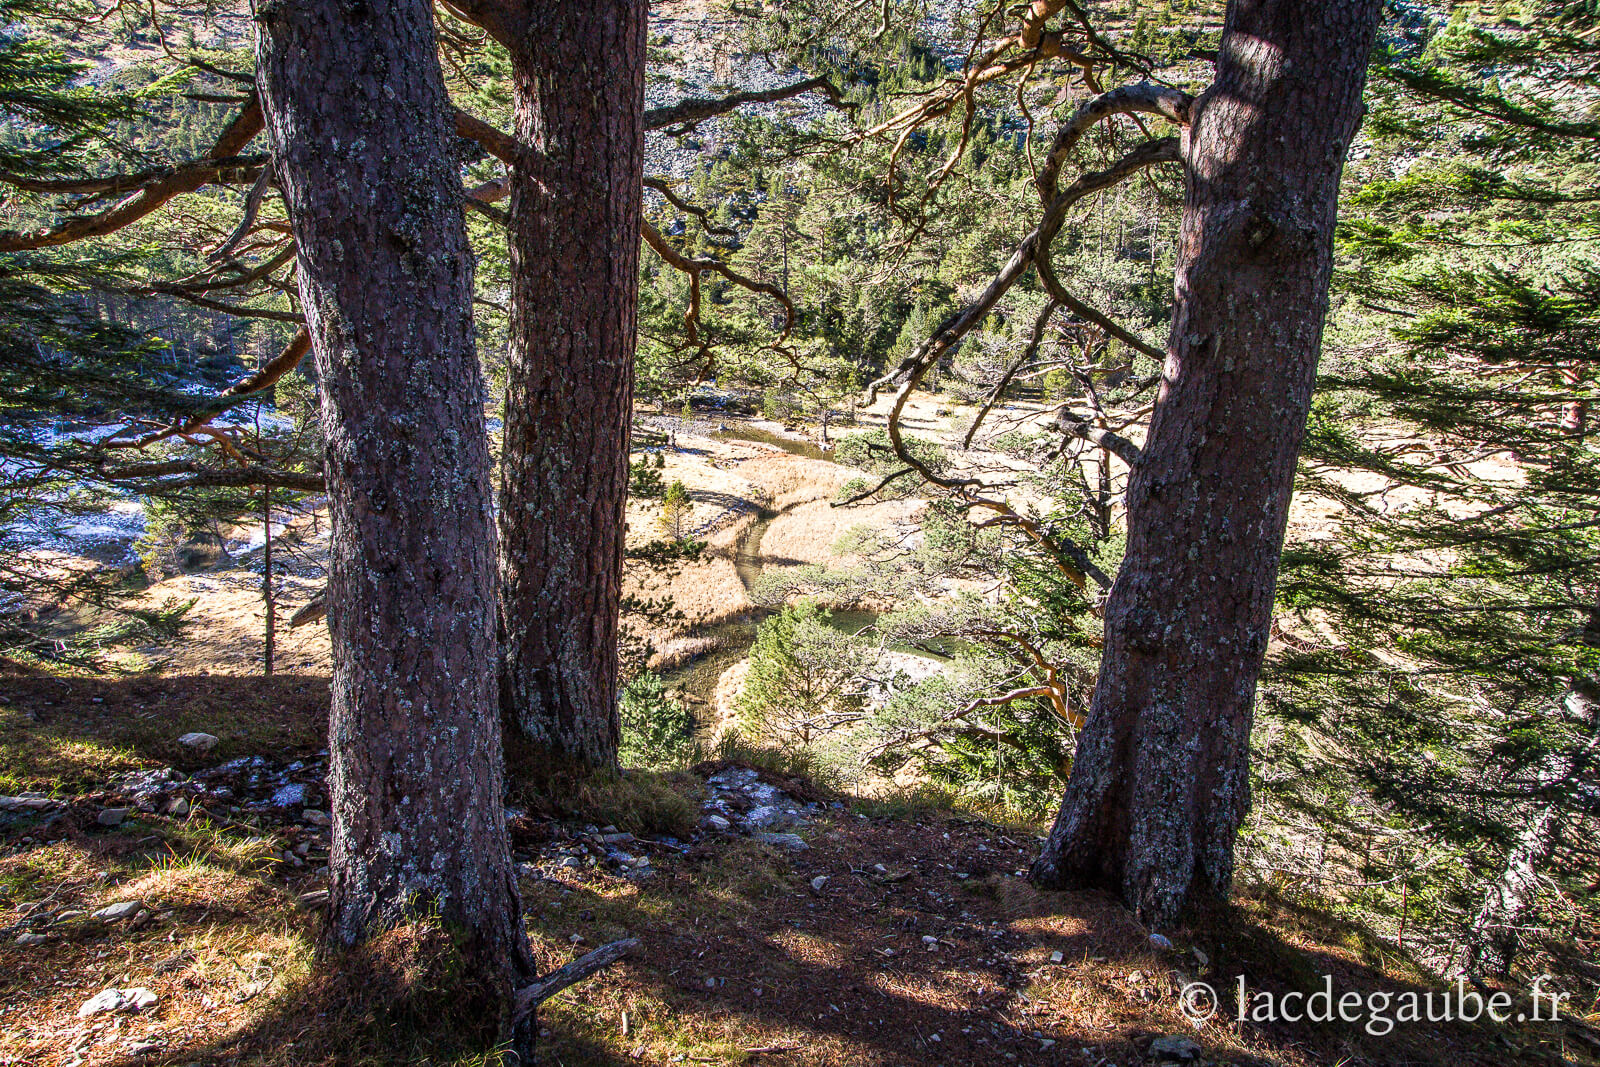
x: 1033, y: 410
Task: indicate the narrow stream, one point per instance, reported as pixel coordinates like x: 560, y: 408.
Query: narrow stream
x: 744, y: 431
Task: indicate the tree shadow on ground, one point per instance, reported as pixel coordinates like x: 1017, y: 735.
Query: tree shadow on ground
x: 68, y: 733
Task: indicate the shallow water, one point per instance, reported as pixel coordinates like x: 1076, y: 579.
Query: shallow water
x: 743, y: 431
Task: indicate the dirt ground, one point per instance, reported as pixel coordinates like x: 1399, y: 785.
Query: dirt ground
x: 903, y: 935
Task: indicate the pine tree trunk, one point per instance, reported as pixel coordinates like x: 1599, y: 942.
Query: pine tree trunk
x: 269, y: 630
x: 357, y: 114
x: 1161, y: 784
x: 578, y: 73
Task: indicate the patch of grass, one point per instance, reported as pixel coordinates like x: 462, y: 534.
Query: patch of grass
x: 643, y: 802
x: 62, y: 733
x: 34, y: 758
x: 927, y: 801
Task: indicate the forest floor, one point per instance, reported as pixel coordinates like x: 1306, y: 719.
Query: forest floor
x: 904, y: 933
x: 921, y: 944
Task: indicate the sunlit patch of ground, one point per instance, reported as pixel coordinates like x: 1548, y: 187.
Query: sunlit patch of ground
x: 920, y: 944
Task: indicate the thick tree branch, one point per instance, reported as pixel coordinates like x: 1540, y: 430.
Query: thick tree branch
x: 661, y: 186
x: 697, y: 109
x: 187, y: 474
x: 1145, y: 97
x: 1072, y: 424
x: 265, y: 378
x: 695, y: 267
x: 501, y: 145
x: 224, y: 155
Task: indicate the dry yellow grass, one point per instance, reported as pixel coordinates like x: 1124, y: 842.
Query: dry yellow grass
x: 809, y: 532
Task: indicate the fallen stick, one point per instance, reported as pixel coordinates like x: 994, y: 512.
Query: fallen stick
x: 530, y: 997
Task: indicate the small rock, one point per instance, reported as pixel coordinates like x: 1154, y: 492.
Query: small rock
x: 31, y: 939
x: 818, y: 882
x: 1201, y: 957
x: 1056, y: 957
x: 1174, y: 1049
x: 145, y: 1048
x: 1160, y: 942
x: 718, y: 823
x: 137, y: 999
x: 112, y: 816
x: 572, y: 863
x: 122, y: 909
x: 614, y: 838
x: 26, y: 803
x: 792, y: 842
x: 198, y: 741
x: 177, y: 806
x: 316, y: 818
x: 930, y: 942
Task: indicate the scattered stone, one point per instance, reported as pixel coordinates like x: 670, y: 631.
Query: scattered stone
x: 1056, y: 957
x: 930, y: 942
x: 769, y: 816
x: 572, y: 863
x: 122, y: 909
x: 289, y: 795
x: 792, y: 842
x: 112, y: 1000
x: 316, y: 818
x: 27, y: 802
x: 1201, y: 957
x: 68, y: 916
x: 1173, y: 1049
x: 145, y: 1048
x: 199, y: 742
x: 31, y: 939
x: 718, y: 823
x: 112, y: 816
x: 818, y: 882
x: 611, y: 837
x: 178, y: 806
x: 1161, y: 942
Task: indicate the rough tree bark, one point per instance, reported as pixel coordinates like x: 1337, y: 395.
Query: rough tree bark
x: 578, y: 71
x: 361, y: 132
x: 1160, y: 784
